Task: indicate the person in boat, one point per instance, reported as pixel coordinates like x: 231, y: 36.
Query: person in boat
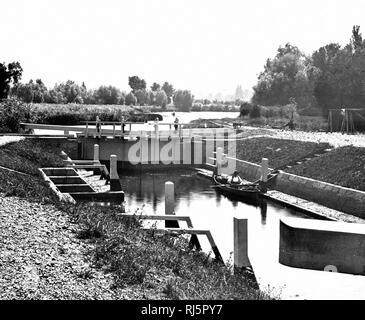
x: 235, y: 179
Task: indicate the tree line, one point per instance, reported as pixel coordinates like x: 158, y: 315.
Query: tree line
x: 71, y: 92
x: 332, y: 77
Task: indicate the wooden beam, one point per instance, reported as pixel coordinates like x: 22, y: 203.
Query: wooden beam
x: 194, y: 232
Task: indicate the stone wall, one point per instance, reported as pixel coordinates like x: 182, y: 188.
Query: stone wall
x: 332, y: 196
x: 347, y: 200
x: 322, y: 245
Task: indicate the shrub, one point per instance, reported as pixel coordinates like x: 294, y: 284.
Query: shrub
x: 12, y: 113
x: 183, y: 100
x: 245, y: 109
x: 255, y: 112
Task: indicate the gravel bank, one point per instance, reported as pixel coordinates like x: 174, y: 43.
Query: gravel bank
x: 41, y: 257
x: 335, y: 139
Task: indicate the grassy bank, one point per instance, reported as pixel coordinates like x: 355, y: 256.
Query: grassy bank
x: 280, y: 152
x: 150, y: 265
x: 342, y: 166
x: 302, y: 123
x: 73, y: 114
x: 25, y: 157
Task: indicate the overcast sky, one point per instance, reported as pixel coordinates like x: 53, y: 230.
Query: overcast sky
x: 206, y: 46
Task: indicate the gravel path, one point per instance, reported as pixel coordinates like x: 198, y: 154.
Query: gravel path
x: 41, y: 257
x: 335, y: 139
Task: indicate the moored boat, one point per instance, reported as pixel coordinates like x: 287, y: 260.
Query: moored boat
x: 246, y: 191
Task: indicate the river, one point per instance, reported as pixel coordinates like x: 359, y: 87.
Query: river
x: 209, y: 210
x: 184, y: 117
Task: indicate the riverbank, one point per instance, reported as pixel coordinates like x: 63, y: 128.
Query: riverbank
x: 330, y: 157
x: 54, y: 251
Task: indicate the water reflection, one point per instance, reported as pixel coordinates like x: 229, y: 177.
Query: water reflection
x: 263, y: 207
x: 208, y: 209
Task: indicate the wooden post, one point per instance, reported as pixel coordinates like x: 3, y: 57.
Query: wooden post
x: 331, y: 121
x: 198, y: 150
x: 98, y: 127
x: 240, y: 244
x: 114, y: 177
x: 87, y: 129
x: 79, y: 150
x: 113, y: 130
x: 96, y: 158
x: 156, y: 128
x: 264, y: 174
x: 170, y: 204
x: 225, y: 138
x: 218, y: 158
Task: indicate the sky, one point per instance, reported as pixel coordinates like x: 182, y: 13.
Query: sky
x: 206, y: 46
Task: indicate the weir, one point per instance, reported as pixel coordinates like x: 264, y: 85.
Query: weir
x: 149, y: 150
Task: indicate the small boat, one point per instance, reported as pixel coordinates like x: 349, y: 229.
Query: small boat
x: 246, y: 191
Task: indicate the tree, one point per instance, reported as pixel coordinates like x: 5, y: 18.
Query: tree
x: 122, y: 98
x: 327, y: 87
x: 161, y: 99
x: 9, y: 74
x: 24, y: 92
x: 169, y: 90
x: 107, y: 95
x: 136, y: 83
x: 130, y: 99
x: 155, y: 87
x: 289, y: 74
x: 183, y: 100
x: 32, y: 91
x: 152, y: 97
x: 142, y: 97
x: 342, y: 74
x: 70, y: 91
x: 356, y: 40
x: 39, y: 90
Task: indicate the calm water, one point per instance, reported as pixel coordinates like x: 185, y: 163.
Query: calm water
x: 184, y: 117
x: 210, y: 210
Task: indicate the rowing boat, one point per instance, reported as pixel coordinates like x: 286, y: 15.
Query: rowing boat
x: 249, y: 191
